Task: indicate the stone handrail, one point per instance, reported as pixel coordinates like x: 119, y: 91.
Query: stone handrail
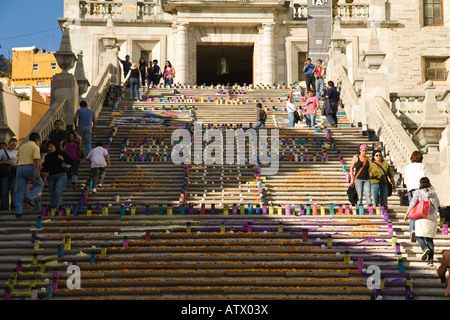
x: 388, y: 127
x: 348, y: 95
x: 46, y: 124
x: 97, y: 92
x: 390, y: 131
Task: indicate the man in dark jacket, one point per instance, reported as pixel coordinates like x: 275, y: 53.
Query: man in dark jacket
x: 333, y: 96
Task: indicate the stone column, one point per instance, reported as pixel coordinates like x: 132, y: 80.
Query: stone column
x: 268, y: 60
x: 181, y: 67
x: 110, y: 55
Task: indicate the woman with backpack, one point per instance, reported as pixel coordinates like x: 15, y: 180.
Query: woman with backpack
x: 425, y: 227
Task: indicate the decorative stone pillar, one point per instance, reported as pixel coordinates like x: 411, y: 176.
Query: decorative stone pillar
x: 375, y: 83
x: 111, y: 50
x: 83, y: 83
x: 65, y: 84
x: 429, y: 131
x: 268, y: 61
x: 336, y: 51
x: 181, y: 68
x: 430, y: 136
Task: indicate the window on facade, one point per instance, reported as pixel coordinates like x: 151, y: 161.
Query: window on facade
x: 35, y: 67
x: 433, y: 12
x: 435, y: 69
x: 53, y: 65
x: 40, y: 83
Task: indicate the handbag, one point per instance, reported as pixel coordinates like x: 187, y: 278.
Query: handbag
x: 81, y: 153
x: 351, y: 190
x: 7, y: 170
x: 389, y: 183
x: 421, y: 210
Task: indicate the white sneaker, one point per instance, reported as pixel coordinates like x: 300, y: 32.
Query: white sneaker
x: 100, y: 185
x: 94, y: 190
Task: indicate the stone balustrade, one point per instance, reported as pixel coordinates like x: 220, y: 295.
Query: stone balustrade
x: 349, y: 96
x: 346, y: 11
x: 390, y: 131
x: 412, y: 106
x: 46, y: 124
x: 102, y: 9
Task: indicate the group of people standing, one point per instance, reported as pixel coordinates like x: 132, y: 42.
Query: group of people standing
x: 136, y: 74
x: 312, y: 104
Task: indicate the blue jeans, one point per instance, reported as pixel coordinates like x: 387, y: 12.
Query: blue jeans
x: 330, y: 119
x: 86, y: 136
x: 427, y: 243
x: 8, y: 185
x: 379, y: 194
x: 320, y: 88
x: 73, y: 171
x: 363, y: 186
x: 291, y: 119
x: 134, y: 88
x: 260, y: 124
x: 56, y: 185
x: 310, y: 120
x: 168, y: 81
x: 412, y: 222
x: 23, y: 175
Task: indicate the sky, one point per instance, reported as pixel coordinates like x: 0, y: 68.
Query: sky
x: 27, y: 23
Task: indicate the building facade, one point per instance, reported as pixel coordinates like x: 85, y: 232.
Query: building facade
x: 264, y: 41
x: 33, y: 67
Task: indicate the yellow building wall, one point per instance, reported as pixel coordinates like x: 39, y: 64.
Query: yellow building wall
x: 22, y: 68
x: 31, y: 111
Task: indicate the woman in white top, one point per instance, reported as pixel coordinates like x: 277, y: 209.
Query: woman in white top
x: 413, y: 173
x: 8, y: 184
x: 291, y: 108
x: 426, y: 228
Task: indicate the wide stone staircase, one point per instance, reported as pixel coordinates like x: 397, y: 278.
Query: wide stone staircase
x: 160, y: 230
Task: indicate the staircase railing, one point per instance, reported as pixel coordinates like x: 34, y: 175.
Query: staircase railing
x: 388, y: 127
x: 47, y: 122
x: 390, y: 131
x: 97, y: 92
x: 94, y: 98
x: 347, y: 93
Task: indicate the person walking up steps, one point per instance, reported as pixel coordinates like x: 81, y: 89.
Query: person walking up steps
x: 28, y: 170
x: 85, y: 124
x: 99, y: 158
x: 426, y: 228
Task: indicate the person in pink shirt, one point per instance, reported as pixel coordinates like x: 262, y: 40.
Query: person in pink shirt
x: 312, y: 104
